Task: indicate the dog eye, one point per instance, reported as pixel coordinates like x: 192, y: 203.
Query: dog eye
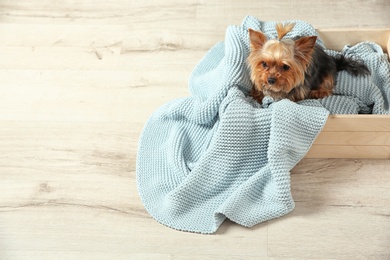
x: 285, y: 67
x: 265, y: 65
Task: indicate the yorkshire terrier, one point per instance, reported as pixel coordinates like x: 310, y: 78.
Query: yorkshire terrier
x: 295, y: 69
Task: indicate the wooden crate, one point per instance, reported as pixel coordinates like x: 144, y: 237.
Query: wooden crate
x: 354, y: 136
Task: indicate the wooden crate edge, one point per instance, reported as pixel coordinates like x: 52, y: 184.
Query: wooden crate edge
x: 337, y: 38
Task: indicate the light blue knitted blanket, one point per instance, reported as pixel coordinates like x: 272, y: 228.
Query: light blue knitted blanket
x: 218, y: 154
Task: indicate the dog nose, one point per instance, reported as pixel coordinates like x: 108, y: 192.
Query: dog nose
x: 271, y: 80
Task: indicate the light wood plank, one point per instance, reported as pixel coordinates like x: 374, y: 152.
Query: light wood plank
x: 66, y: 11
x: 337, y: 39
x: 64, y: 35
x: 71, y: 173
x: 357, y: 123
x: 358, y: 13
x: 88, y: 95
x: 44, y: 254
x: 349, y: 151
x: 32, y: 57
x: 324, y: 189
x: 76, y: 229
x: 353, y: 138
x: 353, y: 224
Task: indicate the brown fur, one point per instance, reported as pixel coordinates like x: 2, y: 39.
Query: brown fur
x: 278, y: 67
x: 324, y: 90
x: 282, y: 30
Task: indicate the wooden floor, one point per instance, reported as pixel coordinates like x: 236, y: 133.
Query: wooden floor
x: 78, y: 80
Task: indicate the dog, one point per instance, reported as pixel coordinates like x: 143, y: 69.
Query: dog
x: 294, y: 69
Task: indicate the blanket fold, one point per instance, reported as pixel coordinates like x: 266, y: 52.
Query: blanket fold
x: 218, y: 154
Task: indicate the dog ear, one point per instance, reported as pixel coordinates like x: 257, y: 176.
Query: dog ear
x: 257, y: 39
x: 304, y: 48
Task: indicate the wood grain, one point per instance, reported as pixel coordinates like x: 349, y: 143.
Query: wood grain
x: 357, y: 123
x: 79, y: 79
x: 353, y: 136
x: 349, y: 151
x: 337, y: 39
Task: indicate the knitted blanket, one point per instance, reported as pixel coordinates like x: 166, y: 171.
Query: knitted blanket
x: 218, y: 154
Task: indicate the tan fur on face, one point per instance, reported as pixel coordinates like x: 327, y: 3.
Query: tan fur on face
x: 276, y: 54
x: 269, y: 58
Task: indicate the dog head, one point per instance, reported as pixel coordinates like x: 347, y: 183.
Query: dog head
x: 279, y: 65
